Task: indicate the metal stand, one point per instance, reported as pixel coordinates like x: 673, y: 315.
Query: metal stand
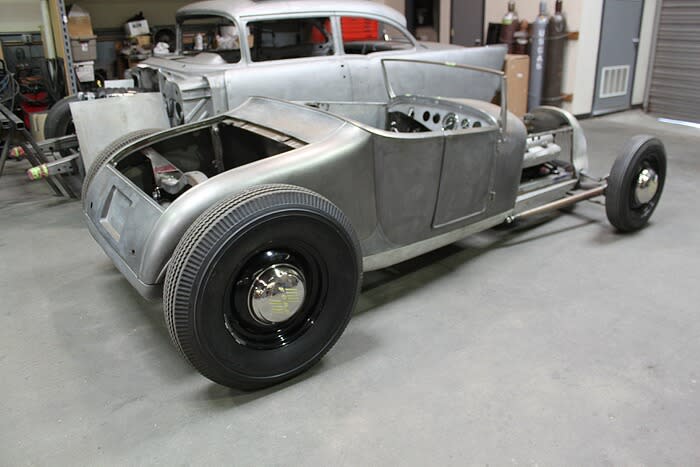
x: 41, y: 155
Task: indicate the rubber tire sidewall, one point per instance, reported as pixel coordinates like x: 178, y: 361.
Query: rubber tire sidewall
x: 621, y: 182
x: 59, y: 118
x: 194, y: 303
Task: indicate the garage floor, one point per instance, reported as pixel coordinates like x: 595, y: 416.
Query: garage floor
x: 558, y: 343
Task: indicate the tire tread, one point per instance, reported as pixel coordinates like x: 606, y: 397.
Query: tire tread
x: 616, y: 201
x: 190, y: 255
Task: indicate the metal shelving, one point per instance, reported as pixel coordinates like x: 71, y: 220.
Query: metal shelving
x: 68, y: 53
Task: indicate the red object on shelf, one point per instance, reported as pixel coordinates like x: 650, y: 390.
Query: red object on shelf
x: 33, y: 102
x: 359, y: 29
x: 354, y: 29
x: 317, y: 36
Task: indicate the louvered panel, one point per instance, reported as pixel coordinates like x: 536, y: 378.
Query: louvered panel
x: 674, y: 90
x: 615, y: 81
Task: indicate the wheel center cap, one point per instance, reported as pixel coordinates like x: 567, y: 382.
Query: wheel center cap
x: 276, y: 293
x: 647, y: 185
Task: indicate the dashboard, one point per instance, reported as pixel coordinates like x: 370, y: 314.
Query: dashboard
x: 434, y: 115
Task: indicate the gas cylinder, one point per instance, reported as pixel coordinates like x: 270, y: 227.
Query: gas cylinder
x: 521, y: 38
x: 538, y: 45
x: 509, y: 24
x: 557, y: 35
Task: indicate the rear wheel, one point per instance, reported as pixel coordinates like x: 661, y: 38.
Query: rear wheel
x: 262, y: 285
x: 635, y: 183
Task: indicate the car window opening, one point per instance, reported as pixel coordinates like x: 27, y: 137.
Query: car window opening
x: 214, y: 34
x: 364, y: 36
x: 290, y: 38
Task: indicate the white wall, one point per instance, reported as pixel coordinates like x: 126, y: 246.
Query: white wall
x: 20, y: 16
x: 644, y: 53
x: 445, y: 20
x: 581, y: 56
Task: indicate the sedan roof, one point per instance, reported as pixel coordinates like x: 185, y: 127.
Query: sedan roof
x: 242, y: 8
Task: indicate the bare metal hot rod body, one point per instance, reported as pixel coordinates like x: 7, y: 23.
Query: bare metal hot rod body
x: 257, y: 224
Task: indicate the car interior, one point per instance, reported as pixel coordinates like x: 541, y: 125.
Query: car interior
x: 412, y: 114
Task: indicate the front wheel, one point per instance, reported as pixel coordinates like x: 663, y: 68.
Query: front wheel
x: 262, y: 285
x: 635, y: 183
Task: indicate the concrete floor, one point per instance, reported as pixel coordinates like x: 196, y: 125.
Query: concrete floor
x: 561, y: 343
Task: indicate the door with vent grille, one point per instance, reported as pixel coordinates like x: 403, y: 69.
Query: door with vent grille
x: 674, y: 90
x: 617, y: 55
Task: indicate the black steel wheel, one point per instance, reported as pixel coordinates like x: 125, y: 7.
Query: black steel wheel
x: 262, y: 285
x: 635, y: 183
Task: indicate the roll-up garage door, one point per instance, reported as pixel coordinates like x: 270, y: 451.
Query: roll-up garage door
x: 675, y: 83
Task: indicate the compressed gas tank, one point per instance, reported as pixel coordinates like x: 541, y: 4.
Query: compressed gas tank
x: 521, y: 39
x: 557, y: 35
x: 538, y: 45
x: 509, y: 25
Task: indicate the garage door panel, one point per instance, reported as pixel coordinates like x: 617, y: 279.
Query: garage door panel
x: 674, y: 91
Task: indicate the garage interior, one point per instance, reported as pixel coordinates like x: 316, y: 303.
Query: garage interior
x: 555, y: 341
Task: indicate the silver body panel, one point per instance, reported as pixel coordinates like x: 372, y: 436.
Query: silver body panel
x: 117, y: 117
x: 200, y: 86
x: 405, y: 193
x: 411, y: 173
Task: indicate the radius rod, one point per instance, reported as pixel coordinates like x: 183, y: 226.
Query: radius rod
x: 560, y: 203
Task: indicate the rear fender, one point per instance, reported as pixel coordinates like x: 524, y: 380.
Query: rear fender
x: 334, y: 168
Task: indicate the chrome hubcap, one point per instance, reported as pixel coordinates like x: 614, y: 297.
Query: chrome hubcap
x: 646, y: 186
x: 276, y: 294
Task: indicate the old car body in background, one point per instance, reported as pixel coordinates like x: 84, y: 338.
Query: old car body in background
x: 229, y: 50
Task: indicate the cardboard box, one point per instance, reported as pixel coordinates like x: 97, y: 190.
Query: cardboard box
x: 84, y: 48
x: 143, y: 41
x: 85, y: 71
x: 517, y: 69
x: 137, y: 28
x: 79, y: 23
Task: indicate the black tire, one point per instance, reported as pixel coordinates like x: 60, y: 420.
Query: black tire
x: 623, y: 207
x: 105, y: 155
x: 208, y: 288
x: 59, y: 121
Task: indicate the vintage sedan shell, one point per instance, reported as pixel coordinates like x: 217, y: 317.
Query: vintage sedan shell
x: 199, y: 84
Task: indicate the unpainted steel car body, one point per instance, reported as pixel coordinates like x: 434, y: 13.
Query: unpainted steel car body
x: 261, y: 220
x: 412, y: 173
x: 296, y: 50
